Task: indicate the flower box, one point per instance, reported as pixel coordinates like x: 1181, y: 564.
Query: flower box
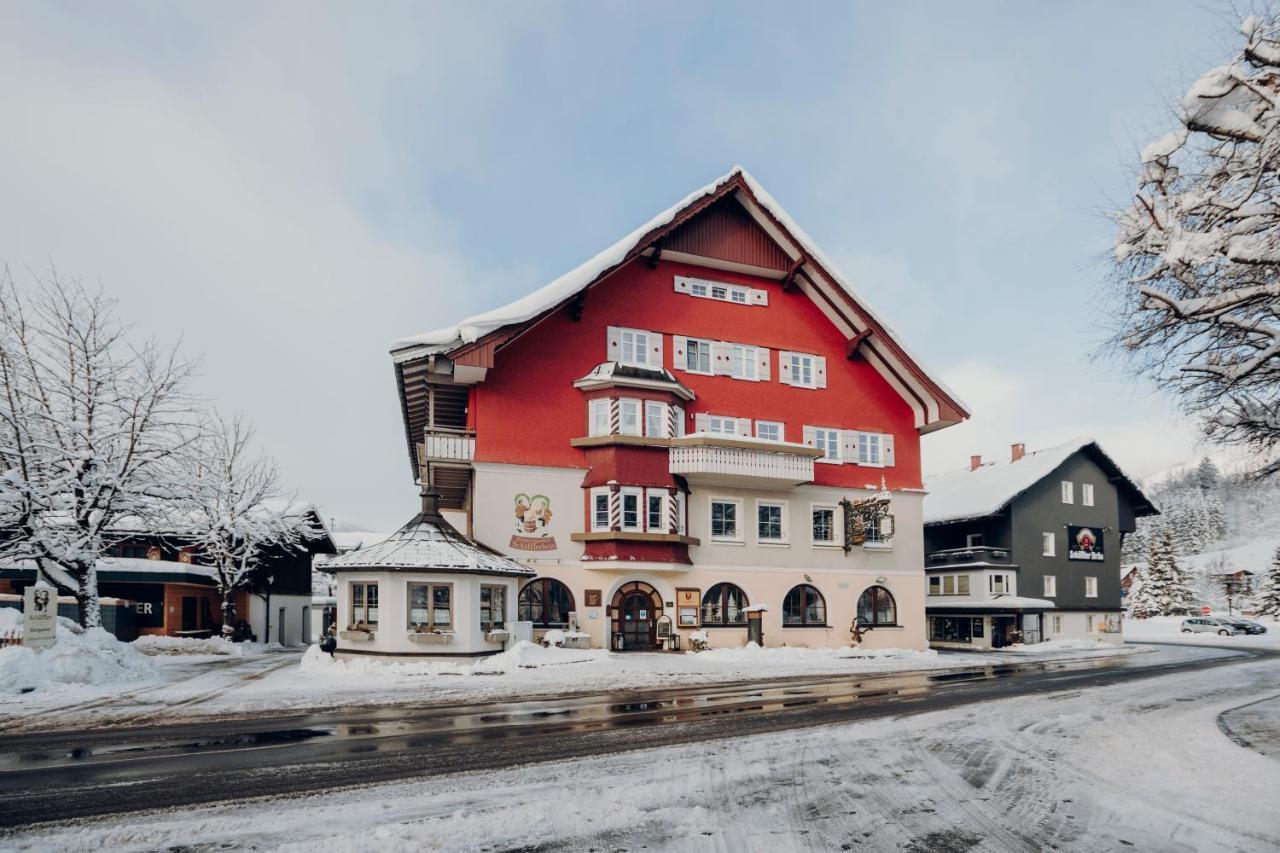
x: 577, y: 642
x: 357, y: 635
x: 497, y: 635
x: 430, y: 638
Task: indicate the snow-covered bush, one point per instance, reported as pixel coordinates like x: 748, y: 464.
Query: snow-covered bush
x: 699, y: 641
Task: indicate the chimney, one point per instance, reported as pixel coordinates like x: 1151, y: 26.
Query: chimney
x: 430, y: 503
x: 975, y: 462
x: 1018, y: 451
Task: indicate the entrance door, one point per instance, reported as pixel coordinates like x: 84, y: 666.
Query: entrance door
x: 280, y: 629
x: 189, y: 612
x: 639, y: 622
x: 1004, y: 631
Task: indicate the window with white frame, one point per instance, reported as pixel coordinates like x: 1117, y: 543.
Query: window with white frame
x: 364, y: 605
x: 656, y: 511
x: 770, y: 522
x: 1086, y: 494
x: 998, y: 583
x: 948, y: 584
x: 869, y: 449
x: 1050, y: 586
x: 1057, y: 624
x: 699, y: 288
x: 719, y: 425
x: 599, y: 416
x: 655, y: 419
x: 430, y: 606
x: 697, y: 355
x: 599, y: 509
x: 823, y: 525
x: 1091, y: 587
x: 631, y: 508
x: 629, y: 417
x: 803, y: 372
x: 678, y: 420
x: 724, y: 518
x: 720, y: 291
x: 828, y: 441
x: 1049, y: 544
x: 635, y: 347
x: 769, y: 430
x: 703, y: 289
x: 743, y: 361
x: 493, y: 607
x: 1068, y: 492
x: 681, y: 516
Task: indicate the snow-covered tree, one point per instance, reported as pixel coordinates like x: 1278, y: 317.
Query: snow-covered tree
x: 1198, y: 250
x: 1161, y: 588
x: 234, y: 511
x: 1207, y: 476
x: 90, y: 424
x: 1269, y: 593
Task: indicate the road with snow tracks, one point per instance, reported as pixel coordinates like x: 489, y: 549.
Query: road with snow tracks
x: 69, y: 775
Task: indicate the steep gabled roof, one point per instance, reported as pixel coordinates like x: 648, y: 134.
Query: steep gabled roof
x: 965, y: 494
x: 475, y: 340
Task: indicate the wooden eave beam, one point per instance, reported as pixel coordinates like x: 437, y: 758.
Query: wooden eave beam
x: 656, y: 255
x: 851, y: 346
x: 579, y: 302
x: 789, y: 280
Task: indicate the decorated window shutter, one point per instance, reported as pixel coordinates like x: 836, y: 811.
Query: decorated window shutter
x: 679, y: 346
x: 682, y: 284
x: 784, y: 368
x: 744, y: 426
x: 720, y: 353
x: 700, y: 422
x: 819, y: 372
x: 614, y: 350
x: 615, y: 417
x: 886, y: 450
x: 655, y: 350
x: 763, y: 355
x: 759, y: 297
x: 848, y: 446
x: 810, y: 436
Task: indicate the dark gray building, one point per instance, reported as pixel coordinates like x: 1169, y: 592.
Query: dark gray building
x: 1028, y: 548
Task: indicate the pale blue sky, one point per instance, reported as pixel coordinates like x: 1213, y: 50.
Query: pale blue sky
x: 289, y: 187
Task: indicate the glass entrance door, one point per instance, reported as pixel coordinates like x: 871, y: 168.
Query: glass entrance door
x: 638, y: 622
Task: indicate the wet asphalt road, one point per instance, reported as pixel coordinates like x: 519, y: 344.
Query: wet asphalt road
x: 68, y: 775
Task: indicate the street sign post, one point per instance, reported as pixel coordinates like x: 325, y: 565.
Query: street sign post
x: 1205, y: 611
x: 39, y: 616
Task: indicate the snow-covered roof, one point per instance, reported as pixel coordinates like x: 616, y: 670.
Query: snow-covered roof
x: 1016, y: 602
x: 963, y: 494
x: 554, y: 293
x: 428, y: 543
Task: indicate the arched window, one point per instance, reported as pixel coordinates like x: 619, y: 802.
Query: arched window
x: 876, y: 607
x: 804, y: 605
x: 723, y: 605
x: 546, y: 603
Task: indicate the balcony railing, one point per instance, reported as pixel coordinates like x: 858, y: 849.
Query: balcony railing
x: 973, y: 554
x: 730, y: 460
x: 442, y: 446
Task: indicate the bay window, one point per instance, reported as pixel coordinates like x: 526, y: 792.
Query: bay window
x: 629, y: 416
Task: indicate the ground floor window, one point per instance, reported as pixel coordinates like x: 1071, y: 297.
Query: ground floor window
x: 364, y: 604
x: 430, y: 607
x: 546, y: 603
x: 954, y: 629
x: 804, y: 606
x: 724, y: 605
x: 877, y: 607
x: 493, y: 607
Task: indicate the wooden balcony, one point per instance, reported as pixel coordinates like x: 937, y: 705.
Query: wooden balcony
x: 448, y: 446
x: 445, y: 458
x: 740, y: 461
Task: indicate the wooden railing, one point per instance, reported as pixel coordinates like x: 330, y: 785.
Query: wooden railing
x: 448, y: 446
x: 738, y: 462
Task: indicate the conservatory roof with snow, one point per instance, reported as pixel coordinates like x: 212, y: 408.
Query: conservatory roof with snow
x: 428, y: 543
x: 963, y: 494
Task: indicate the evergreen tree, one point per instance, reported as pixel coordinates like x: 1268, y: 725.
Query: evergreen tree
x: 1269, y: 599
x: 1207, y: 476
x: 1162, y: 586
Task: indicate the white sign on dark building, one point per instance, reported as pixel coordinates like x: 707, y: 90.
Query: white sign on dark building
x: 40, y: 616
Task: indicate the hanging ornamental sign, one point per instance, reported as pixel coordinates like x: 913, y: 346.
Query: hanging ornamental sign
x: 532, y: 523
x: 867, y: 520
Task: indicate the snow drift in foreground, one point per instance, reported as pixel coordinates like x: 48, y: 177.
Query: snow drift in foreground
x: 90, y: 656
x: 157, y: 645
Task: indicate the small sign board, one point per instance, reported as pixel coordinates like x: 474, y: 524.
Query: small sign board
x: 593, y: 597
x: 39, y: 616
x: 1205, y: 611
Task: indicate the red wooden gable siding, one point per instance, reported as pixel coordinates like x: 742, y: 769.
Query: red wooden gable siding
x: 727, y: 232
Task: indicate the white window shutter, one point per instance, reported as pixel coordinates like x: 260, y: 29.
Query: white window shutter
x: 744, y: 427
x: 763, y: 356
x: 614, y: 350
x: 679, y: 346
x: 759, y: 297
x: 677, y: 421
x: 700, y: 422
x: 886, y: 450
x: 811, y: 436
x: 784, y: 368
x: 720, y: 357
x: 849, y: 446
x: 655, y: 350
x: 682, y: 284
x: 819, y: 372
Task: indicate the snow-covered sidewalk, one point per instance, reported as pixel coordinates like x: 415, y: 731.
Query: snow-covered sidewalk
x: 1139, y: 765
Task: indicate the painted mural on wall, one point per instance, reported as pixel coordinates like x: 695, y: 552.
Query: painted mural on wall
x: 532, y: 523
x: 1084, y: 543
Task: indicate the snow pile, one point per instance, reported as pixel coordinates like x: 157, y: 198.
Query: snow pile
x: 523, y: 655
x: 93, y: 656
x: 156, y: 645
x: 1063, y: 646
x: 526, y: 655
x: 753, y: 653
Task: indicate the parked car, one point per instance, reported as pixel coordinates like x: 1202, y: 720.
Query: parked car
x: 1246, y: 625
x: 1210, y: 625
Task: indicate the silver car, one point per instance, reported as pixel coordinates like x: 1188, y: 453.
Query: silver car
x: 1209, y: 625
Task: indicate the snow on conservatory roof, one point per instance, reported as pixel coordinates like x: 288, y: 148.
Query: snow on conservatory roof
x: 428, y: 543
x: 963, y: 493
x: 566, y: 286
